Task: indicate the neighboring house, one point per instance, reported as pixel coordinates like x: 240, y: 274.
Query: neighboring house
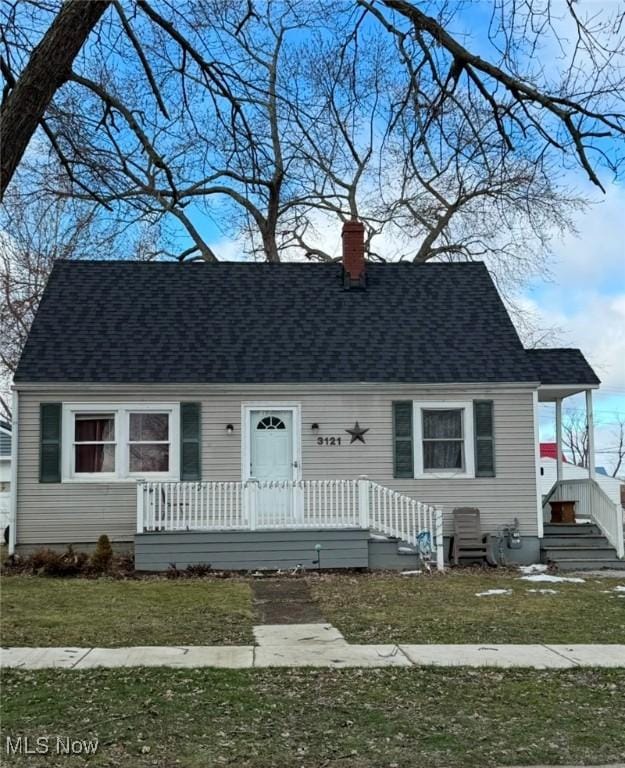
x: 548, y: 473
x: 5, y: 473
x: 241, y: 414
x: 550, y: 451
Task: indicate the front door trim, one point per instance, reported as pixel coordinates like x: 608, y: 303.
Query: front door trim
x: 247, y: 408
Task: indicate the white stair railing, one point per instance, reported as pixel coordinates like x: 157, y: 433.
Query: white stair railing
x: 285, y: 504
x: 405, y: 518
x: 591, y: 502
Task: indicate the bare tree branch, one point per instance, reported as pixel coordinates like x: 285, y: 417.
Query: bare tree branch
x: 48, y: 68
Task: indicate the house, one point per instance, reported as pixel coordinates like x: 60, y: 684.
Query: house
x: 548, y: 473
x: 550, y: 451
x: 5, y: 473
x: 262, y: 415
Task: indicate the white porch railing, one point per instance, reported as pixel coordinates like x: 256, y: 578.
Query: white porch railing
x: 591, y: 502
x: 303, y: 504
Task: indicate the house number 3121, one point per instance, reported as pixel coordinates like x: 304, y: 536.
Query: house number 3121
x: 328, y: 441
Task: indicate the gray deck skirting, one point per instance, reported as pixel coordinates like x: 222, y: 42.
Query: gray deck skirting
x: 286, y: 549
x: 245, y: 550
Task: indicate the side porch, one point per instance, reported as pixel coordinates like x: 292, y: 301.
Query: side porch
x: 283, y: 524
x: 583, y: 528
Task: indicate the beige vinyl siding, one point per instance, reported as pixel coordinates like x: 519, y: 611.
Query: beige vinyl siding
x: 80, y: 512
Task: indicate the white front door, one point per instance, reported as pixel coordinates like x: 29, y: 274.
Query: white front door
x: 271, y: 455
x: 273, y: 463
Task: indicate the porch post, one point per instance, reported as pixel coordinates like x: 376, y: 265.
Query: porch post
x: 590, y: 423
x: 140, y: 500
x: 558, y: 439
x: 440, y: 541
x: 251, y: 487
x: 363, y: 501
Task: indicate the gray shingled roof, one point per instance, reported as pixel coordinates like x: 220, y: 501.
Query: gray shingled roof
x: 240, y: 322
x: 562, y: 366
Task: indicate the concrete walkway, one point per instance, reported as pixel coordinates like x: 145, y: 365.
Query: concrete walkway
x: 316, y: 645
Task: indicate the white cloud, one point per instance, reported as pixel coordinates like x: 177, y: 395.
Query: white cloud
x: 586, y: 300
x: 597, y: 326
x: 586, y: 260
x: 229, y: 249
x: 586, y: 295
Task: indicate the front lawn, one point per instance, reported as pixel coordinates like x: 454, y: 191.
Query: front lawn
x: 408, y: 718
x: 367, y: 608
x: 38, y: 611
x: 446, y: 609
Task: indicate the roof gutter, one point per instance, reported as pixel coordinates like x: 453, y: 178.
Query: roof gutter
x: 53, y: 387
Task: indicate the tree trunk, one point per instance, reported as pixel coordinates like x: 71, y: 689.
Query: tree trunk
x: 270, y: 245
x: 268, y: 230
x: 48, y: 68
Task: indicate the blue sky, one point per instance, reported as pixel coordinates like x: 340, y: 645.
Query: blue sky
x: 583, y: 295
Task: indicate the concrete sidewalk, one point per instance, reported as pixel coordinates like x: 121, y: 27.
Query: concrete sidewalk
x: 316, y: 645
x: 329, y: 654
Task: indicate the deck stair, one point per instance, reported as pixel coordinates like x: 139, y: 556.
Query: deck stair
x: 390, y: 552
x: 578, y: 547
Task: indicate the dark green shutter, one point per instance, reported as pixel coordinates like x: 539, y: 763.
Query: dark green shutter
x: 190, y: 441
x: 50, y: 442
x: 403, y: 462
x: 484, y: 429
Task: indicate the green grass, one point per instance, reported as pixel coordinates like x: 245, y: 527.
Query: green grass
x: 39, y: 611
x: 349, y: 718
x: 445, y: 609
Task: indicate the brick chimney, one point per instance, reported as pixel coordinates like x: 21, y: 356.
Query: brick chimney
x: 354, y: 265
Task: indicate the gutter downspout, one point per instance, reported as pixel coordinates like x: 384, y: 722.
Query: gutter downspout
x: 13, y: 495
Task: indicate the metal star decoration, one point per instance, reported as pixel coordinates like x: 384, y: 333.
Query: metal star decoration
x: 357, y: 433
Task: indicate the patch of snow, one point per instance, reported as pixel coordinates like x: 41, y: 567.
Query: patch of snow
x: 544, y: 591
x: 619, y: 588
x: 494, y: 592
x: 378, y: 537
x: 411, y: 573
x: 406, y: 550
x: 534, y: 568
x: 549, y: 577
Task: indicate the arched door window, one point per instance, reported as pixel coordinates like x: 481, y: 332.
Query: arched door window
x: 271, y: 422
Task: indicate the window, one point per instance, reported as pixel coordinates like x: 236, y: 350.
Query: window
x: 94, y: 443
x: 118, y: 442
x: 271, y: 422
x: 443, y: 440
x: 148, y: 444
